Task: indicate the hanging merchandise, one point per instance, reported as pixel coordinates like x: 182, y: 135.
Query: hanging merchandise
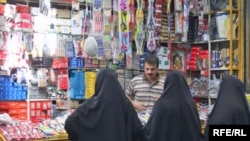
x: 123, y: 18
x: 42, y: 78
x: 124, y: 22
x: 97, y: 22
x: 41, y: 47
x: 21, y: 76
x: 4, y: 37
x: 90, y: 46
x: 185, y: 22
x: 106, y: 4
x: 164, y: 25
x: 77, y: 46
x: 223, y: 26
x: 100, y: 48
x: 9, y: 11
x: 151, y: 45
x: 115, y: 38
x: 13, y: 42
x: 69, y: 46
x: 219, y: 4
x: 75, y: 5
x: 158, y: 18
x: 150, y: 16
x: 178, y: 24
x: 15, y: 50
x: 62, y: 49
x: 87, y: 24
x: 76, y: 19
x: 131, y: 24
x: 139, y: 34
x: 123, y: 5
x: 89, y: 1
x: 59, y: 63
x: 28, y: 41
x: 115, y: 50
x: 107, y: 46
x: 107, y: 17
x: 201, y: 18
x: 93, y: 46
x: 97, y: 4
x: 124, y: 41
x: 62, y: 82
x: 82, y: 42
x: 77, y: 90
x: 85, y: 28
x: 170, y: 17
x: 132, y: 18
x: 44, y: 6
x: 1, y: 39
x: 107, y: 20
x: 90, y: 78
x: 45, y: 50
x: 52, y: 77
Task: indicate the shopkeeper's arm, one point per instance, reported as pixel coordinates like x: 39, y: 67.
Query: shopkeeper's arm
x: 131, y: 94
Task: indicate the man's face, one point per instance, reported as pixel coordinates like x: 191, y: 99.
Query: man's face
x: 150, y: 71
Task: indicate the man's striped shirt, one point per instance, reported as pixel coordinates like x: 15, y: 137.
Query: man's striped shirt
x: 140, y: 90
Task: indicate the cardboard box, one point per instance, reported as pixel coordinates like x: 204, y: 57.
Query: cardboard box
x: 62, y: 13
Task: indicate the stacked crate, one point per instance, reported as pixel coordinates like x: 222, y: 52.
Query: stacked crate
x: 16, y: 109
x: 77, y: 84
x: 10, y: 90
x: 40, y: 110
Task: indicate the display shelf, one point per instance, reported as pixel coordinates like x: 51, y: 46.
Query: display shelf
x: 234, y: 42
x: 2, y: 137
x: 225, y: 52
x: 219, y: 69
x: 60, y: 137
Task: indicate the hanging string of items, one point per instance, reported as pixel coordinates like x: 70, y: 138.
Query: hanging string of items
x: 139, y: 34
x: 151, y: 45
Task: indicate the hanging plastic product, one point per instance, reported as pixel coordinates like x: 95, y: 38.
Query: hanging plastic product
x: 139, y: 34
x: 90, y: 46
x: 63, y: 82
x: 219, y: 4
x: 44, y: 6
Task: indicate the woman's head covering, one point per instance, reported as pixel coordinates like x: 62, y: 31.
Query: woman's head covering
x: 231, y: 107
x: 174, y: 116
x: 108, y: 115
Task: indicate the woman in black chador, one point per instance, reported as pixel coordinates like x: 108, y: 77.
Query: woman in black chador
x: 231, y: 107
x: 174, y: 116
x: 107, y: 116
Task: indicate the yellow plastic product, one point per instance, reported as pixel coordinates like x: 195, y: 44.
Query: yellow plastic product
x: 60, y: 137
x: 2, y: 138
x: 248, y: 99
x: 90, y: 77
x: 3, y: 1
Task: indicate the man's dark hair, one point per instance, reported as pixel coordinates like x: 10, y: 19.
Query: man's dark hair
x: 152, y: 59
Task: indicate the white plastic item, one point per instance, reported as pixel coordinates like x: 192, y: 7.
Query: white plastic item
x: 90, y: 46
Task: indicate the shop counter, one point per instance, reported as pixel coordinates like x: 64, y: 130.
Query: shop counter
x: 60, y: 137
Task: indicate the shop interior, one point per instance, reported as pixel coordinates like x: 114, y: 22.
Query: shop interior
x: 51, y: 51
